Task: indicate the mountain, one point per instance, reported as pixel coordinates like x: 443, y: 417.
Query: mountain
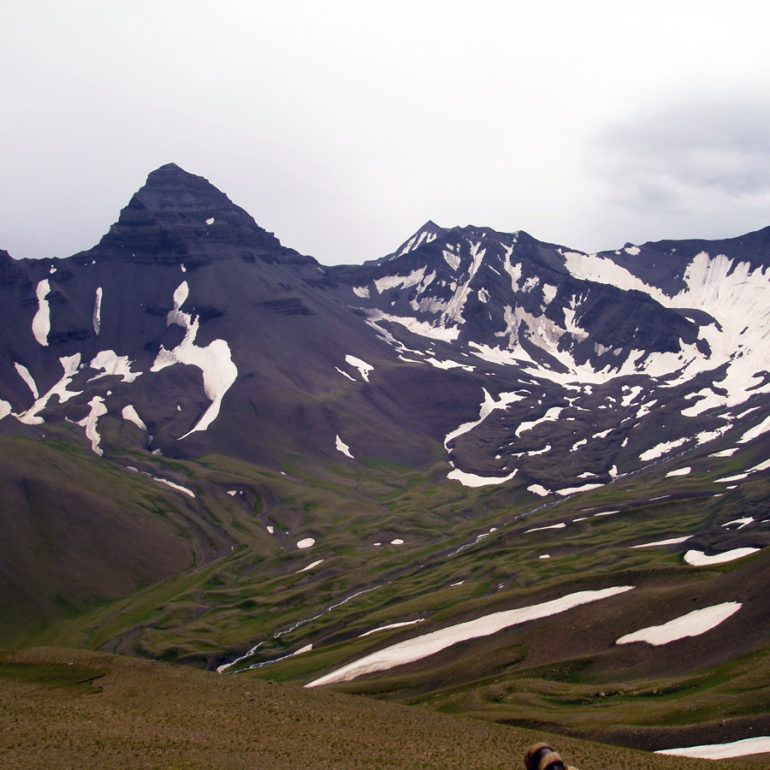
x: 220, y: 452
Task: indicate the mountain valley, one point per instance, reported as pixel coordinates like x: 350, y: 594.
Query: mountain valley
x: 485, y: 474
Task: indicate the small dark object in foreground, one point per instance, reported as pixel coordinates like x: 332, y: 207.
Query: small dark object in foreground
x: 541, y: 756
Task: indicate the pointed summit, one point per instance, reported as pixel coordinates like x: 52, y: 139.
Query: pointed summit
x: 173, y: 181
x: 423, y: 235
x: 177, y: 216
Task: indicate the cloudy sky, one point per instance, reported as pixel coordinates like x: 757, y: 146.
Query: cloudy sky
x: 342, y: 125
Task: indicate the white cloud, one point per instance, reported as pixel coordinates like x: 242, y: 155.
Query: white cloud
x: 342, y: 125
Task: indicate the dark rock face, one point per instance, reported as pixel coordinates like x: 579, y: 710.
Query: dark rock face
x: 226, y: 341
x: 178, y: 217
x: 663, y: 263
x: 502, y: 271
x: 9, y: 270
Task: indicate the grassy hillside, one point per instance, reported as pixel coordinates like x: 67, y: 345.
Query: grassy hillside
x: 70, y: 708
x: 465, y: 553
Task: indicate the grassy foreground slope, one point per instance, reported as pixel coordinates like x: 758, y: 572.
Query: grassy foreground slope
x: 70, y: 708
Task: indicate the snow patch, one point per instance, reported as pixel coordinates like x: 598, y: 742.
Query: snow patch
x: 341, y: 446
x: 574, y: 490
x: 345, y: 374
x: 669, y: 541
x: 420, y: 328
x: 456, y: 305
x: 429, y: 644
x: 361, y: 291
x: 679, y: 472
x: 552, y: 415
x: 174, y: 485
x: 560, y: 525
x: 97, y: 315
x: 699, y: 559
x: 474, y: 480
x: 757, y: 430
x: 41, y: 323
x: 731, y: 479
x: 449, y: 364
x: 113, y: 365
x: 390, y: 626
x: 549, y: 292
x: 631, y: 395
x: 453, y: 260
x: 399, y: 281
x: 312, y: 565
x: 763, y: 466
x: 214, y: 360
x: 742, y: 522
x: 70, y: 366
x: 692, y: 624
x: 28, y: 379
x: 742, y: 748
x: 130, y: 414
x: 538, y: 489
x: 661, y: 449
x: 306, y: 542
x: 499, y: 356
x: 89, y: 422
x: 488, y: 405
x: 362, y: 366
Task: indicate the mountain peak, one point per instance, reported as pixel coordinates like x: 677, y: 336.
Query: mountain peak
x: 171, y: 187
x: 172, y: 176
x: 177, y: 215
x: 169, y: 168
x: 423, y: 235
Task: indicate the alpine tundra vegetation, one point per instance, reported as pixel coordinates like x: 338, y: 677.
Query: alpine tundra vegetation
x: 485, y: 474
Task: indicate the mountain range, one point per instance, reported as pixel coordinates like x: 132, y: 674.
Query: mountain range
x: 218, y: 451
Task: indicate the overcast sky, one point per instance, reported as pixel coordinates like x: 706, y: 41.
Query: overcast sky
x: 342, y: 125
